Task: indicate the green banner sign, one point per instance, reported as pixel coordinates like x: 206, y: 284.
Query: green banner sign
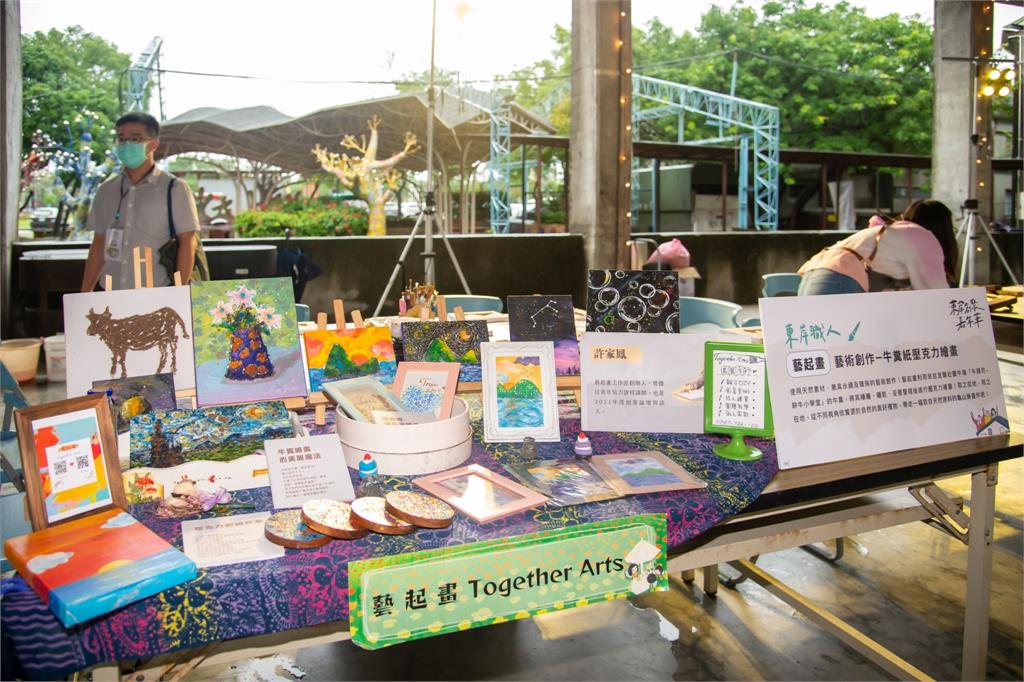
x: 410, y: 596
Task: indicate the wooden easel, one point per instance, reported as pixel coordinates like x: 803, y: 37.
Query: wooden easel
x: 317, y: 399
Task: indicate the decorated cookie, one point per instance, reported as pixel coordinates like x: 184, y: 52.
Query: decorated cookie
x: 419, y: 509
x: 287, y: 529
x: 369, y: 513
x: 331, y: 518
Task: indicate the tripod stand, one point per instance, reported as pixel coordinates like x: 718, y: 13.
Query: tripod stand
x: 426, y: 216
x: 969, y: 228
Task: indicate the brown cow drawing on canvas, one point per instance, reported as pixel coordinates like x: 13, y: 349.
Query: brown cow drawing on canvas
x: 138, y: 332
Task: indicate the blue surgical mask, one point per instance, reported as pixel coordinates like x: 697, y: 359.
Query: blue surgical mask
x: 131, y: 154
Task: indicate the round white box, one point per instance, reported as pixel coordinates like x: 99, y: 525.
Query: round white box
x: 408, y: 449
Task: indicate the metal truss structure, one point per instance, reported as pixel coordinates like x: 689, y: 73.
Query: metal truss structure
x: 756, y: 127
x: 140, y: 73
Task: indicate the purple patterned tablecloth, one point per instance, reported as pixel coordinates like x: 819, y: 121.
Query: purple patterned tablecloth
x: 310, y: 587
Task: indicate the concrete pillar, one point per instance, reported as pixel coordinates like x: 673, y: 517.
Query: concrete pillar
x: 600, y: 141
x: 10, y: 154
x: 963, y: 30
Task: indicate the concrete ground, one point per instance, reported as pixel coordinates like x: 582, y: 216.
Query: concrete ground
x: 902, y: 586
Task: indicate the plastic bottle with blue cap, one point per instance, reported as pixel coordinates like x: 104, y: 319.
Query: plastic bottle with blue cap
x: 369, y: 479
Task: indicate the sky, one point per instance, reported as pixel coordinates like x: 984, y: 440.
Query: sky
x: 346, y: 40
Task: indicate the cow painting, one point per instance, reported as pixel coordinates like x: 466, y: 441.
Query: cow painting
x: 158, y: 329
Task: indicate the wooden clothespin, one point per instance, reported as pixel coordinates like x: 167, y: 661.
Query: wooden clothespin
x: 137, y: 264
x: 177, y: 278
x: 357, y: 319
x: 320, y: 415
x: 424, y: 313
x: 339, y: 314
x: 108, y: 283
x: 321, y: 321
x: 442, y: 310
x: 460, y: 315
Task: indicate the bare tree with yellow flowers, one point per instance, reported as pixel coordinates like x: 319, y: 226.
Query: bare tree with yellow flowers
x: 375, y: 179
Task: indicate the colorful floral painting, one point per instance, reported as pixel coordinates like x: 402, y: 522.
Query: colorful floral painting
x: 210, y: 433
x: 345, y: 354
x: 446, y: 341
x: 246, y: 341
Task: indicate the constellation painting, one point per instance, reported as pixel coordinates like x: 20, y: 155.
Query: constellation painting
x: 633, y: 301
x: 547, y: 318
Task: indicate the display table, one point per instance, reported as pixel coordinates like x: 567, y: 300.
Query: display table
x: 309, y: 588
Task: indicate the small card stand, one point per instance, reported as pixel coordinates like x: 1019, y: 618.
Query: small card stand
x: 740, y: 368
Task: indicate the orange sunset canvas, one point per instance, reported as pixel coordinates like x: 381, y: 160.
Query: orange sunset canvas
x: 92, y: 565
x: 332, y: 355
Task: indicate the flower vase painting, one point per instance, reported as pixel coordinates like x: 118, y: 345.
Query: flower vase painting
x: 246, y: 341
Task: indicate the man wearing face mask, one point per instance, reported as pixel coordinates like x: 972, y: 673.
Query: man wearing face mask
x: 135, y: 209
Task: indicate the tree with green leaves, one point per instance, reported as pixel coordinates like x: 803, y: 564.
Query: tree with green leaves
x: 68, y: 74
x: 843, y: 80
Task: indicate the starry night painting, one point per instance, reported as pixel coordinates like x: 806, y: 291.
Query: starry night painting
x: 448, y: 341
x: 547, y: 318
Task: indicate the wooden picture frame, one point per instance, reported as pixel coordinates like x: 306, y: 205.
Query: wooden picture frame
x: 343, y: 393
x: 519, y: 394
x: 619, y: 479
x: 425, y: 374
x: 479, y: 493
x: 76, y: 438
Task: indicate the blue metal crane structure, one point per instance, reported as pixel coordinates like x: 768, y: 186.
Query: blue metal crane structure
x: 755, y: 126
x: 139, y: 75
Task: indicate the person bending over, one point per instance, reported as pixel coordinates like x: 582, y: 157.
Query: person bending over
x: 916, y: 251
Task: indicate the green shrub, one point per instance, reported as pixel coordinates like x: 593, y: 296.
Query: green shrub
x: 313, y: 221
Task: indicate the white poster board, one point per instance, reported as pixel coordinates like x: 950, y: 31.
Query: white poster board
x: 128, y: 333
x: 643, y: 382
x: 738, y: 388
x: 861, y: 374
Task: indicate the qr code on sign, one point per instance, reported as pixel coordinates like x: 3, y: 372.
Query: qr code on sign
x: 60, y: 468
x: 82, y: 461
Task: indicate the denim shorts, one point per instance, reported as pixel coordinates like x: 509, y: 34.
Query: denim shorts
x: 824, y: 281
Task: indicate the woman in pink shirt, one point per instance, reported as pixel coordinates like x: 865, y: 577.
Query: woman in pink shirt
x: 917, y: 251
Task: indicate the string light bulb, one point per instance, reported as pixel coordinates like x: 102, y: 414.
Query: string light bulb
x: 1004, y: 91
x: 994, y: 74
x: 988, y: 91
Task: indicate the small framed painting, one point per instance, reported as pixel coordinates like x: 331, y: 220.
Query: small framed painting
x: 427, y: 386
x: 519, y: 395
x: 479, y: 493
x: 69, y: 457
x: 359, y: 398
x: 633, y: 473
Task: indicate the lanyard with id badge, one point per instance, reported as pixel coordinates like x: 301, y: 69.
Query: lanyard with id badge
x: 115, y: 233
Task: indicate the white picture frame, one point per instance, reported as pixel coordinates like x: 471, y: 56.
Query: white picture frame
x: 512, y: 410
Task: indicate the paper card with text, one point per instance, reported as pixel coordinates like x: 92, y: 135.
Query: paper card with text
x: 861, y: 374
x: 228, y: 540
x: 309, y: 468
x: 414, y: 595
x: 643, y: 382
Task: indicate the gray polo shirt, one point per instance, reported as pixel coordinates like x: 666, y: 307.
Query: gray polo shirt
x: 143, y: 209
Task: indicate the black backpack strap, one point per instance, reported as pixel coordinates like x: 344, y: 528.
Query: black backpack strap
x: 170, y: 209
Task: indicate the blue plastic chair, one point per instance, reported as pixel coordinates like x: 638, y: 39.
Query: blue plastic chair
x: 471, y: 303
x: 780, y: 284
x: 706, y: 314
x: 301, y: 312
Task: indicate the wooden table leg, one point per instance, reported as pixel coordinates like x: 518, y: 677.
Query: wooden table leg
x: 979, y: 572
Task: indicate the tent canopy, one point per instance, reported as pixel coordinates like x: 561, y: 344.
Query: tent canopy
x: 265, y: 134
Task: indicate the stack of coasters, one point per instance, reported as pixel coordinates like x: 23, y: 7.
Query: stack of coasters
x: 419, y: 509
x: 331, y: 518
x: 369, y: 513
x: 287, y: 529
